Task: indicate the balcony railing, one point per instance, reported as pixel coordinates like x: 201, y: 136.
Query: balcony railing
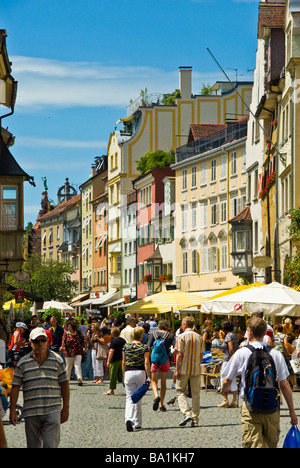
x: 230, y: 133
x: 144, y: 101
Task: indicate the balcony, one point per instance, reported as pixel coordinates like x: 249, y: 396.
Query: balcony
x: 115, y: 280
x: 144, y: 101
x: 232, y: 132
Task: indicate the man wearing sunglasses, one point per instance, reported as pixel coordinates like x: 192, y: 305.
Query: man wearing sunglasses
x: 43, y: 376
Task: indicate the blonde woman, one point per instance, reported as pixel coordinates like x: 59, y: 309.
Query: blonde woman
x: 136, y: 369
x: 288, y: 327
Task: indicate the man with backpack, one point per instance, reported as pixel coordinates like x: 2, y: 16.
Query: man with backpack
x: 263, y: 374
x: 160, y: 343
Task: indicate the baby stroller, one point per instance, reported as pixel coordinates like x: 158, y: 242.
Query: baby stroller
x: 6, y: 377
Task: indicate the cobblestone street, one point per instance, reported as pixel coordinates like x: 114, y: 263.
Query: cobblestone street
x: 97, y: 421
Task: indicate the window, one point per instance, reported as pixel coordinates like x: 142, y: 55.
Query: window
x: 118, y: 264
x: 203, y: 173
x: 213, y: 259
x: 224, y: 256
x: 214, y: 214
x: 244, y: 160
x: 184, y: 179
x: 203, y: 215
x: 184, y: 262
x: 184, y: 217
x: 194, y: 216
x: 9, y: 208
x: 233, y: 163
x: 194, y: 176
x: 146, y: 196
x: 223, y: 211
x: 213, y: 172
x: 204, y: 260
x: 240, y: 241
x: 223, y: 166
x: 249, y: 188
x: 194, y: 261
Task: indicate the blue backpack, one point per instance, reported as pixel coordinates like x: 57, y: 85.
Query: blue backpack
x: 159, y: 354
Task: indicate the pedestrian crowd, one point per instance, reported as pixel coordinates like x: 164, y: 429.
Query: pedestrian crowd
x: 46, y: 356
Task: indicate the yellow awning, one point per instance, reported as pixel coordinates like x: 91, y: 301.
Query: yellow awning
x: 128, y: 119
x: 237, y: 289
x: 166, y: 301
x: 6, y: 305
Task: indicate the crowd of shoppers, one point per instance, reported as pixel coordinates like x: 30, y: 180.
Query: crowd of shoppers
x: 124, y: 352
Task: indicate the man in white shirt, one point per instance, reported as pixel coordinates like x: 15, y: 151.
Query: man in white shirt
x: 259, y: 430
x: 127, y: 332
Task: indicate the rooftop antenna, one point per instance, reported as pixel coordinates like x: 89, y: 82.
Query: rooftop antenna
x: 236, y: 73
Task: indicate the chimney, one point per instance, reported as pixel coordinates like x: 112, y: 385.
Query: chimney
x: 185, y: 82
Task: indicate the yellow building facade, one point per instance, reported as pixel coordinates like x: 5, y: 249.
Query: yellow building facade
x: 150, y: 126
x: 210, y: 190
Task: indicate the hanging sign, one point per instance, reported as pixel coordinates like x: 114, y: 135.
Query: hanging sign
x: 19, y: 296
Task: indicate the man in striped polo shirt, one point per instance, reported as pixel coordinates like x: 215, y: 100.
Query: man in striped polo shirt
x: 190, y: 349
x: 43, y: 376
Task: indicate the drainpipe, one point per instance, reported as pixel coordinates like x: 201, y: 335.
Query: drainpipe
x: 292, y: 73
x: 277, y: 269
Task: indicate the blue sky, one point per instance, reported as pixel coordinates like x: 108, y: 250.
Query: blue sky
x: 79, y: 62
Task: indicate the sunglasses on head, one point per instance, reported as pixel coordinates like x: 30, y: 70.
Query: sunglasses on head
x: 40, y: 340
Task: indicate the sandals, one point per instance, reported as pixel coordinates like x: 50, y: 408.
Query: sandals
x: 108, y: 393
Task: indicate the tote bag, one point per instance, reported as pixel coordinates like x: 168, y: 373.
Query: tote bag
x: 101, y: 351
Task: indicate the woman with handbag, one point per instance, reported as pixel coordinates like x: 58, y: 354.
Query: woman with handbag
x: 136, y: 369
x: 72, y: 346
x: 99, y: 352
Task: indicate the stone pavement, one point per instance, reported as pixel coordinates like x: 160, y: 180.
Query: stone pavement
x: 97, y: 421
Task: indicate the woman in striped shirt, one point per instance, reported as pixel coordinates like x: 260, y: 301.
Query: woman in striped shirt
x: 136, y: 369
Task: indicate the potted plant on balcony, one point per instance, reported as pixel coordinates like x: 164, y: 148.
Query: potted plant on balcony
x: 147, y: 278
x: 163, y: 277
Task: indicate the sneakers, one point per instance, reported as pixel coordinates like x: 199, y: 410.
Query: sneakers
x: 185, y: 420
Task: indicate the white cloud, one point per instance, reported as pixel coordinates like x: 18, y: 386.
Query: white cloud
x: 33, y: 142
x: 53, y: 83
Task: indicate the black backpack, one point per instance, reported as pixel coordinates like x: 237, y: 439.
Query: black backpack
x: 261, y: 382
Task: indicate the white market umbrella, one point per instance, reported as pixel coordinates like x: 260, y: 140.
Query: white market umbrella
x: 62, y: 306
x: 33, y: 309
x: 21, y: 312
x: 273, y: 299
x: 11, y: 314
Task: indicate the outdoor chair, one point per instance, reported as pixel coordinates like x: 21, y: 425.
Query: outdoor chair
x: 213, y: 372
